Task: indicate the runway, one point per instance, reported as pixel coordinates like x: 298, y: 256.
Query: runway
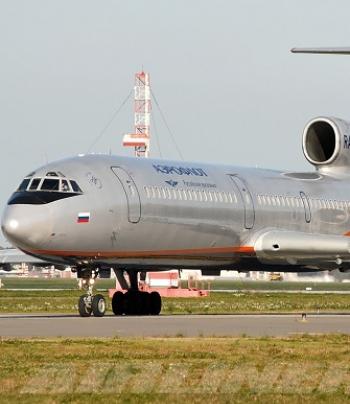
x: 62, y: 325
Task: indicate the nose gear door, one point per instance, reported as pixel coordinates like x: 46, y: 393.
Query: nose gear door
x: 131, y: 192
x: 243, y: 191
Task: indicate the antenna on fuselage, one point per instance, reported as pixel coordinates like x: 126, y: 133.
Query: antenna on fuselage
x: 323, y: 51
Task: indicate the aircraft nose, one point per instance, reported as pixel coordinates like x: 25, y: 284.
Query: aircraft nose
x: 26, y: 226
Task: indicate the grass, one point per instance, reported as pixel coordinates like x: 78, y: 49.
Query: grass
x: 12, y: 282
x: 309, y: 369
x: 65, y: 301
x: 248, y: 298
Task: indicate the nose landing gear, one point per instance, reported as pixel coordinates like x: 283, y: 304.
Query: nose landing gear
x: 89, y: 303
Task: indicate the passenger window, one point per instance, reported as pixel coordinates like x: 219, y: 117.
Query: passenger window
x: 75, y: 186
x: 50, y: 185
x: 65, y: 186
x: 24, y: 185
x: 147, y: 191
x: 35, y: 184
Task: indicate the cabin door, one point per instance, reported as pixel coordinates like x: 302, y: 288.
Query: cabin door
x: 246, y: 196
x: 131, y: 192
x: 306, y: 205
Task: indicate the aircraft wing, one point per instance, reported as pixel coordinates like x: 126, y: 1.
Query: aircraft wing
x: 10, y: 256
x: 298, y: 248
x: 324, y: 51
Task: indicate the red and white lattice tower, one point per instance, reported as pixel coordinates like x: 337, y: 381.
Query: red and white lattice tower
x: 140, y: 139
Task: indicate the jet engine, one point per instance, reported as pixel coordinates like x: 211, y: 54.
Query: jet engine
x: 326, y: 144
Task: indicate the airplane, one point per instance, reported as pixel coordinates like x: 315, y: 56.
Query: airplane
x: 137, y: 215
x: 13, y: 256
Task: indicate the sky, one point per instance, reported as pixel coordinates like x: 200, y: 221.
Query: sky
x: 222, y: 73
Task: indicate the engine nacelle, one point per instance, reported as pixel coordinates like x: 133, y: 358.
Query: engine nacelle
x: 326, y: 144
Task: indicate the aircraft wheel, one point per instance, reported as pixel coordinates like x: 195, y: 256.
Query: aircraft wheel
x: 155, y: 303
x: 84, y: 306
x: 98, y: 306
x: 145, y: 303
x: 131, y: 302
x: 118, y: 303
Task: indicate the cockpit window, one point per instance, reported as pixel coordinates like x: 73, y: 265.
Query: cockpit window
x: 38, y: 191
x: 24, y: 184
x: 50, y: 185
x: 34, y: 184
x: 75, y: 187
x: 65, y: 186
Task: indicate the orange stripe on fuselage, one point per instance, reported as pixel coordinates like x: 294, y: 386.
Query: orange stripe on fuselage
x: 147, y: 254
x: 347, y: 234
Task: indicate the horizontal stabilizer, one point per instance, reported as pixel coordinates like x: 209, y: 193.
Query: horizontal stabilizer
x: 324, y: 51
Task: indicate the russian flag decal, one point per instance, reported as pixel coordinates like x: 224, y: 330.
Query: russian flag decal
x: 83, y: 217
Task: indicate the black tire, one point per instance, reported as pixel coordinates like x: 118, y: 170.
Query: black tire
x: 131, y: 303
x: 118, y: 303
x: 98, y: 306
x: 145, y: 303
x: 155, y: 303
x: 83, y: 308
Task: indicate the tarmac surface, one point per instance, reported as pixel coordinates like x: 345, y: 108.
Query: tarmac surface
x: 68, y: 325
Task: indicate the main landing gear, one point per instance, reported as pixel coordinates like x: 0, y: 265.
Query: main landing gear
x: 89, y: 303
x: 134, y: 301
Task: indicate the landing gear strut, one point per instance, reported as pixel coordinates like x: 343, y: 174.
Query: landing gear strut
x: 134, y: 301
x: 89, y: 303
